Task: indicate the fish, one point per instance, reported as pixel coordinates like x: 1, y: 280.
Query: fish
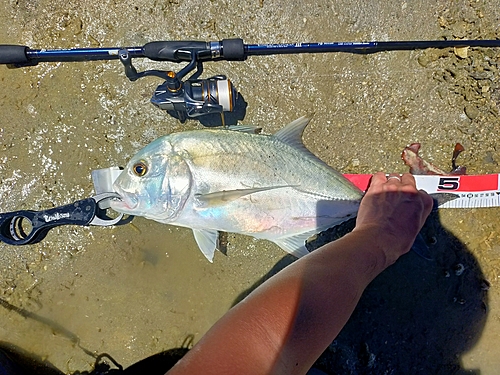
x: 218, y: 180
x: 419, y: 166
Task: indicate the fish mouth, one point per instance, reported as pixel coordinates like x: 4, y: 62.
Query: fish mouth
x: 126, y: 204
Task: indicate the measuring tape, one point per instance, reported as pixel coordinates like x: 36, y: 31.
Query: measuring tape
x: 471, y: 191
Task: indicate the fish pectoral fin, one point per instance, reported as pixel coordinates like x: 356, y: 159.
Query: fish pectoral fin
x: 207, y: 242
x: 295, y: 245
x: 245, y: 129
x: 220, y: 197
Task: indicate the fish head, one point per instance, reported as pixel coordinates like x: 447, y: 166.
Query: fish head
x: 155, y: 183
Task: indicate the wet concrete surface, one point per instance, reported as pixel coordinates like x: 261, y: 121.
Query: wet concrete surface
x: 141, y: 289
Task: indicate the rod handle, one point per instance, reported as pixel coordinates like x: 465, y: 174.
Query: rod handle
x: 13, y: 54
x: 182, y: 50
x: 233, y: 49
x: 175, y: 51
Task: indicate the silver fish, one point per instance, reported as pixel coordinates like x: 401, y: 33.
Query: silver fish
x: 268, y: 187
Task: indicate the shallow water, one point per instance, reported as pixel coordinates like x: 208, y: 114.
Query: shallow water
x: 140, y: 289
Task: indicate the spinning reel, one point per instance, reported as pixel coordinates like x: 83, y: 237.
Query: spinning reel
x: 189, y: 98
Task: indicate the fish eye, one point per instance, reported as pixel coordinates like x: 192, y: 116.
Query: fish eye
x: 140, y: 168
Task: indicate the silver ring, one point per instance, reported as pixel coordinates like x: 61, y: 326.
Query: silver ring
x: 396, y: 177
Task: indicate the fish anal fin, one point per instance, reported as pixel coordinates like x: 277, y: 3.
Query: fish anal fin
x: 295, y: 245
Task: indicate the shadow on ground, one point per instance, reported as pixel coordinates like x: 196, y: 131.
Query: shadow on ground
x: 15, y: 361
x: 417, y: 317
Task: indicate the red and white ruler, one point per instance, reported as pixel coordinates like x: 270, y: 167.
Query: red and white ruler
x: 472, y: 191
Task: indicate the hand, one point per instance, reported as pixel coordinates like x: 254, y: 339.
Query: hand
x: 395, y: 211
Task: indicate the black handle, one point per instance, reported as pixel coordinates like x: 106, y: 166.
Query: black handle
x: 182, y: 50
x: 175, y: 51
x: 12, y: 54
x: 233, y: 49
x: 29, y: 227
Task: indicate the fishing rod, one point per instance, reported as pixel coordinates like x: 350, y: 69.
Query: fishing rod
x: 195, y: 97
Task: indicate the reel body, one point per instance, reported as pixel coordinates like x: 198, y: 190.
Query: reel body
x: 194, y: 98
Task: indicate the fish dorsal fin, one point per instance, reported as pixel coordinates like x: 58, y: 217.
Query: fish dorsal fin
x: 221, y: 197
x: 207, y: 242
x: 291, y: 134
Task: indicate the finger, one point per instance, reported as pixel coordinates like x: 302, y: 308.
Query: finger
x: 378, y: 179
x: 408, y: 179
x: 376, y: 183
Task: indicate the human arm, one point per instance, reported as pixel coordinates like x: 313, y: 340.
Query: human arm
x: 286, y: 323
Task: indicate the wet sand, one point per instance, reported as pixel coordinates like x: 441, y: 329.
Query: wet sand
x: 143, y: 288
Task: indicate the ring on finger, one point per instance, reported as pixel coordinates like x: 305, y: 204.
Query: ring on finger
x: 396, y: 177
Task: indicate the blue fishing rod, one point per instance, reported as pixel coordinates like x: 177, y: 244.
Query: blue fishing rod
x: 196, y: 97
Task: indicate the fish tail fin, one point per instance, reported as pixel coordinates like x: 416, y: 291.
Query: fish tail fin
x: 420, y: 248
